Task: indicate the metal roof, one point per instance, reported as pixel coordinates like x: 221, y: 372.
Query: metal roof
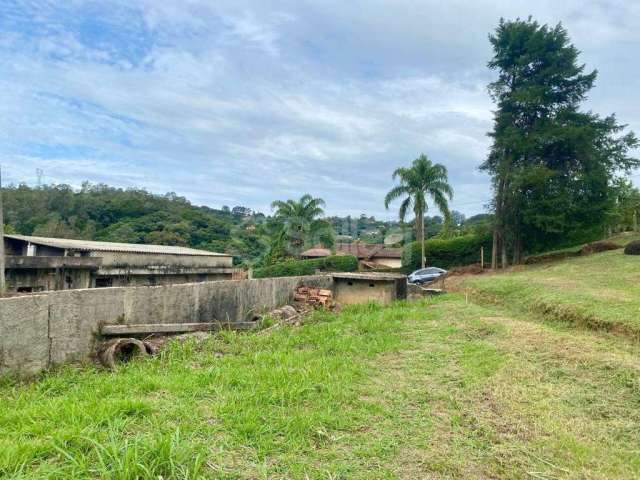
x: 90, y: 245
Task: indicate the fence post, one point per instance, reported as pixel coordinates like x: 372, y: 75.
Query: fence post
x: 481, y: 258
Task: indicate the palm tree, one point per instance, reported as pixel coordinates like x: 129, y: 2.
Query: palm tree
x: 423, y: 179
x: 302, y: 222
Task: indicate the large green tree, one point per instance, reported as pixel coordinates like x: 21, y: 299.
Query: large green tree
x: 422, y: 180
x: 302, y: 224
x: 552, y: 165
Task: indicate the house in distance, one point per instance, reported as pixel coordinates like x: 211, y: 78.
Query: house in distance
x: 369, y: 256
x: 36, y: 264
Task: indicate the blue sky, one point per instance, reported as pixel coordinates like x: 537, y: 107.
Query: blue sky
x: 243, y: 102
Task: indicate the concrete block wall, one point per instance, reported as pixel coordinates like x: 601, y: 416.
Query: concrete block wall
x: 40, y: 331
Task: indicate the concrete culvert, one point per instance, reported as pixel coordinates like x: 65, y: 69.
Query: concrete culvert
x: 120, y: 350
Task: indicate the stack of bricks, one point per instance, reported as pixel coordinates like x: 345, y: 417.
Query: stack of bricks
x: 317, y: 297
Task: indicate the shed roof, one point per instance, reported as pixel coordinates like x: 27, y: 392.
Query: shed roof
x: 90, y: 245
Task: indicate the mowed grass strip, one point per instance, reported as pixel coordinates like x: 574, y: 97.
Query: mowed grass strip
x: 599, y: 291
x: 486, y: 395
x: 439, y: 388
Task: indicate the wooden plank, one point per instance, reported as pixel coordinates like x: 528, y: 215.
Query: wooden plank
x: 146, y: 328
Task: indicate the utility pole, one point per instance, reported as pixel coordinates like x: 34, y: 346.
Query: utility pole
x: 2, y: 280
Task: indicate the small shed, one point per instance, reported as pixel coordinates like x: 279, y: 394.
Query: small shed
x: 352, y: 288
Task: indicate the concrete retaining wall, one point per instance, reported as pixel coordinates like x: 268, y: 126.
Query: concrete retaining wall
x: 40, y: 331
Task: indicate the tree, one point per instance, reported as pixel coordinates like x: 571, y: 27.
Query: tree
x: 551, y: 165
x: 423, y: 179
x: 302, y: 224
x: 627, y: 206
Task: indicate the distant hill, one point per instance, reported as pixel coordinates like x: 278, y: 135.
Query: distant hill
x: 101, y: 212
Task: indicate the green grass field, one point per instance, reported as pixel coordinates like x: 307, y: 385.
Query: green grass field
x: 449, y: 387
x: 599, y: 291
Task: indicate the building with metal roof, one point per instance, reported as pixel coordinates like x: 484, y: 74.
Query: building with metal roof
x: 42, y: 263
x: 92, y: 245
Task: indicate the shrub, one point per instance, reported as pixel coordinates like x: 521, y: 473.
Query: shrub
x: 551, y: 257
x: 632, y: 248
x: 454, y: 252
x: 295, y: 268
x: 597, y: 247
x: 340, y: 263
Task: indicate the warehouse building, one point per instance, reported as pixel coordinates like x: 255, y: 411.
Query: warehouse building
x: 39, y: 264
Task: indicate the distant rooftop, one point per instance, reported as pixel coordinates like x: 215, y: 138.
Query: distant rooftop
x: 90, y: 245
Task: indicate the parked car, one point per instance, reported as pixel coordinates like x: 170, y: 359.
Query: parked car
x: 426, y: 275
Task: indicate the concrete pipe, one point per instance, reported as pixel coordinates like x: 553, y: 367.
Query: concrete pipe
x: 120, y: 350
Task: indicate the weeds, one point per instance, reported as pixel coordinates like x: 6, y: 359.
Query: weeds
x: 433, y: 389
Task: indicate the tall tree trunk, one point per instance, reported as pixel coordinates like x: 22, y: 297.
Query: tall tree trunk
x: 422, y: 236
x: 424, y: 239
x: 504, y: 253
x: 515, y: 260
x: 498, y: 228
x: 494, y: 249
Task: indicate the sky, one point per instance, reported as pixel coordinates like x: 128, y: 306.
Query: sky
x: 242, y: 102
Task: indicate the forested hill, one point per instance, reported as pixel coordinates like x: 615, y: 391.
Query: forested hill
x: 100, y: 212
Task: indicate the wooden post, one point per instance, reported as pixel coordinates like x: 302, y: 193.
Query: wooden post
x: 481, y: 258
x: 635, y: 220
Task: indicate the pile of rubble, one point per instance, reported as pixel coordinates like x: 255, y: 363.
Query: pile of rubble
x: 317, y: 297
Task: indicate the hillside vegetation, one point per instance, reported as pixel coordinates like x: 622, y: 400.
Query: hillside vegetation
x: 293, y: 268
x: 100, y: 212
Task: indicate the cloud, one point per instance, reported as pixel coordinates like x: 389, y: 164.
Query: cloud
x: 242, y: 102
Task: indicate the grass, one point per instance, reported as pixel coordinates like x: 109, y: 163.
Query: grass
x: 598, y: 291
x: 439, y: 388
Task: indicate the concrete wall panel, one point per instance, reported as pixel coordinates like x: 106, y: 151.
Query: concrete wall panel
x: 24, y: 340
x: 75, y: 318
x: 63, y: 326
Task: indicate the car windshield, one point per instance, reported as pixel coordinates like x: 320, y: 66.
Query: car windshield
x: 428, y: 271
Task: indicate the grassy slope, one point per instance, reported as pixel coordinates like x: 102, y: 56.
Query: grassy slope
x: 432, y: 389
x: 600, y: 291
